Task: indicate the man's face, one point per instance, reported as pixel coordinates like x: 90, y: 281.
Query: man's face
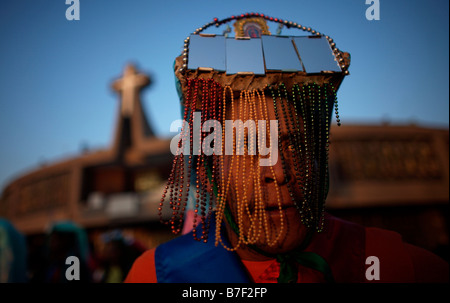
x: 262, y: 198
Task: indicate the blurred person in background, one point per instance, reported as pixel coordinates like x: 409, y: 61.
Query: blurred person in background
x: 13, y: 254
x: 64, y: 240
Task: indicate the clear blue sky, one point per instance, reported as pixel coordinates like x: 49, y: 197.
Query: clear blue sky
x: 55, y: 74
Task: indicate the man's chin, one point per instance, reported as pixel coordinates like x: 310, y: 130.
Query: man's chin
x: 278, y: 248
x: 291, y: 237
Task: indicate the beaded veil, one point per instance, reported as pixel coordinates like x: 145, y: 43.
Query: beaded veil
x: 303, y: 101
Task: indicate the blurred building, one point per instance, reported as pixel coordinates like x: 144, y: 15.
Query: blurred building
x: 394, y: 177
x: 119, y: 187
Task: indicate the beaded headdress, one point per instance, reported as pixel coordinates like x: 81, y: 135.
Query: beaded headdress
x: 218, y: 74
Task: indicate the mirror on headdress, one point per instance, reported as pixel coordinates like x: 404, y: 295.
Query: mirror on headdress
x: 244, y: 56
x: 207, y: 52
x: 271, y: 53
x: 316, y: 54
x: 280, y: 54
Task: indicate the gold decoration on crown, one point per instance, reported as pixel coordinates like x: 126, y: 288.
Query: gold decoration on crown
x: 251, y: 26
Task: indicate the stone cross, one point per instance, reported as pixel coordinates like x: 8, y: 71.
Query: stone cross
x: 129, y: 86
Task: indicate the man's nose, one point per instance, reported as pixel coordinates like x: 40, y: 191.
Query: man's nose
x: 275, y: 173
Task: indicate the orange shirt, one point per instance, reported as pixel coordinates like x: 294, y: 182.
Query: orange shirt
x: 399, y: 262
